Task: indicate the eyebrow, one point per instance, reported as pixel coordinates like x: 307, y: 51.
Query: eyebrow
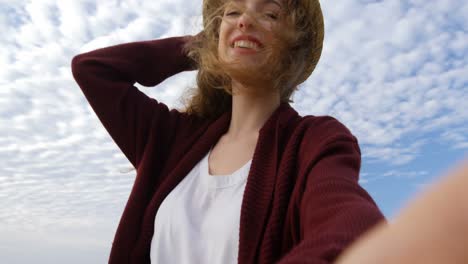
x: 265, y: 2
x: 272, y: 1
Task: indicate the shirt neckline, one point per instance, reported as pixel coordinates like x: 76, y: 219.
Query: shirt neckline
x: 222, y: 181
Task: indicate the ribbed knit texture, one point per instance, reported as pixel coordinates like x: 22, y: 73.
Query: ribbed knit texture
x: 302, y: 202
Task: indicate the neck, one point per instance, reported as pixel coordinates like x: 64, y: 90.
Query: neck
x: 250, y: 111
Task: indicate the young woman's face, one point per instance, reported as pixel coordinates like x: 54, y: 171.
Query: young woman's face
x: 246, y: 29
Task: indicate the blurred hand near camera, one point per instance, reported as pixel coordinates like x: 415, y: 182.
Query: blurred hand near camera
x: 432, y: 229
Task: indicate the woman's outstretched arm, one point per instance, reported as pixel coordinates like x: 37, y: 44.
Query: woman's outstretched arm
x: 432, y: 229
x: 107, y: 77
x: 335, y: 210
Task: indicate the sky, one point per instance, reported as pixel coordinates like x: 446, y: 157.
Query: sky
x: 395, y: 72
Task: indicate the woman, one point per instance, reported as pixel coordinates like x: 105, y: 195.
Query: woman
x: 239, y: 176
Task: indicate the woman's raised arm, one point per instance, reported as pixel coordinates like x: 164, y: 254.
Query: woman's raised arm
x: 107, y: 77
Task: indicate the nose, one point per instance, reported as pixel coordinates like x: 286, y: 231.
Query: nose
x: 245, y: 21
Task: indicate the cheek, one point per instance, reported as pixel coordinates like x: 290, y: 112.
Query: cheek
x: 223, y: 37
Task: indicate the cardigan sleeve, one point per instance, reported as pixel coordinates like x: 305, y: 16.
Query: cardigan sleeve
x: 334, y: 209
x: 107, y: 76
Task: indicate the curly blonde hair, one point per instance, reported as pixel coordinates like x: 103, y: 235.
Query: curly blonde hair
x: 290, y: 61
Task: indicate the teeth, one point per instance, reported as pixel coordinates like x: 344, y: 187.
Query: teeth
x: 246, y: 44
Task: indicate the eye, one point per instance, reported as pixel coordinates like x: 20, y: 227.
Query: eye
x: 232, y: 13
x: 272, y: 16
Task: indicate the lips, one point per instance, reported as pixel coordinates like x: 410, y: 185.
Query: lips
x: 247, y: 37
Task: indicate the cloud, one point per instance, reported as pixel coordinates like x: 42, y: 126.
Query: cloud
x: 391, y: 69
x: 398, y: 174
x: 394, y: 72
x: 457, y: 137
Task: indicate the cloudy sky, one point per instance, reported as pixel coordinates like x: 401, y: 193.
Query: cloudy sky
x: 394, y: 71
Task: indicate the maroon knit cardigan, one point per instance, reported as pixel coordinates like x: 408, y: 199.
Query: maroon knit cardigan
x: 302, y: 202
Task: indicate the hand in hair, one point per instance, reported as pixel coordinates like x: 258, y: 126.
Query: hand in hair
x: 432, y: 229
x: 189, y: 40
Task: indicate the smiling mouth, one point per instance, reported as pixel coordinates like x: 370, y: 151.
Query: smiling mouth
x: 245, y: 44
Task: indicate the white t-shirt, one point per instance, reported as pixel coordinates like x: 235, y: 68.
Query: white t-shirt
x: 198, y: 222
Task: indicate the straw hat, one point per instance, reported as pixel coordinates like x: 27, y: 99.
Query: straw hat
x: 316, y: 20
